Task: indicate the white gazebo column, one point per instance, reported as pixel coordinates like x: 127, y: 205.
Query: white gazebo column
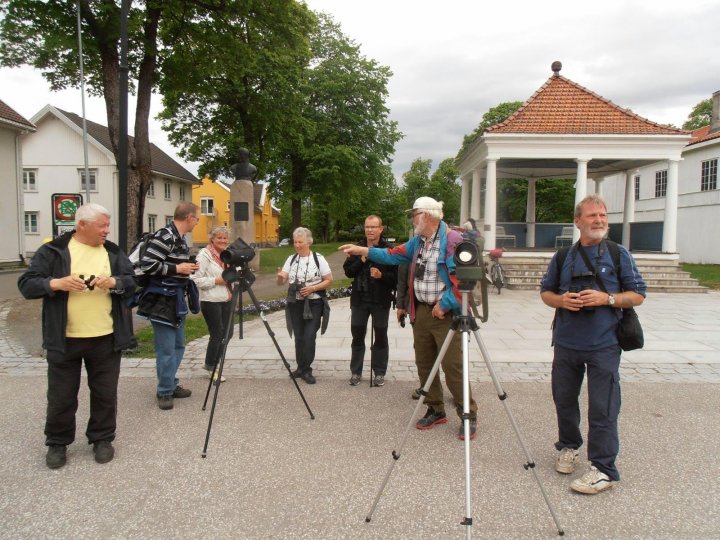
x: 599, y: 186
x: 464, y: 199
x: 530, y: 213
x: 490, y: 204
x: 628, y: 208
x: 475, y: 200
x: 669, y: 242
x: 580, y: 188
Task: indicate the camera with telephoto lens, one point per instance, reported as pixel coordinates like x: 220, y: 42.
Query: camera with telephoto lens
x: 294, y: 290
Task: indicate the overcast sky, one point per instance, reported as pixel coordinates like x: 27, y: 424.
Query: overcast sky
x: 454, y: 60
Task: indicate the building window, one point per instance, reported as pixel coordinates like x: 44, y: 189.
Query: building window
x: 182, y: 193
x: 151, y: 190
x: 708, y: 175
x: 31, y: 222
x: 29, y: 180
x: 168, y: 220
x: 660, y: 183
x: 207, y: 205
x: 152, y: 220
x: 93, y: 180
x: 168, y: 191
x: 636, y: 182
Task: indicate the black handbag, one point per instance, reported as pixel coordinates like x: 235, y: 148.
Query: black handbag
x: 629, y: 331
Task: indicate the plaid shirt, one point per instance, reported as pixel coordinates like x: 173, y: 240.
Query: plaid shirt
x: 430, y: 288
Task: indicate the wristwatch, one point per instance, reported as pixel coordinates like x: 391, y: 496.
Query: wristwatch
x: 611, y: 300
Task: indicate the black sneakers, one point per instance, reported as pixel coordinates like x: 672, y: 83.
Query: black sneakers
x: 165, y: 402
x: 431, y: 419
x: 103, y: 451
x: 181, y: 392
x: 308, y: 377
x: 55, y: 457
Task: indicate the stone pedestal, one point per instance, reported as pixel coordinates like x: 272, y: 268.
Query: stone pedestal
x: 243, y: 191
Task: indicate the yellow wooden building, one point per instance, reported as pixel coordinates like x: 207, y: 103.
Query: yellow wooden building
x: 213, y: 198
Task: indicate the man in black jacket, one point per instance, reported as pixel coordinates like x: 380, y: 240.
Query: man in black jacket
x: 372, y: 294
x: 83, y: 280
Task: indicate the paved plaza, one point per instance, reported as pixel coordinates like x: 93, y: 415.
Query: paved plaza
x: 273, y: 472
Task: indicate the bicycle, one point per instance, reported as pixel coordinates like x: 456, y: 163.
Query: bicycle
x: 497, y: 272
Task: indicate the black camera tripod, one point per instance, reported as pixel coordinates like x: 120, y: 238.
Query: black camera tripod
x: 241, y: 280
x: 466, y: 323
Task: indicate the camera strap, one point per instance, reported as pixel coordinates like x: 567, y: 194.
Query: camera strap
x: 586, y: 259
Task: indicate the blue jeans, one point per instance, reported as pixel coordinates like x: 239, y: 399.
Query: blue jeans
x: 603, y: 373
x: 169, y: 350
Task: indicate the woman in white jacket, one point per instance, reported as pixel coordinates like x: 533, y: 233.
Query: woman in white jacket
x: 215, y: 294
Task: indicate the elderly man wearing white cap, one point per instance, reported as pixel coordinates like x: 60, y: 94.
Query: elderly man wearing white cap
x: 433, y: 299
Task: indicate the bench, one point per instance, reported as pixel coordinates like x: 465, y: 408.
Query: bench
x: 501, y: 238
x: 565, y: 237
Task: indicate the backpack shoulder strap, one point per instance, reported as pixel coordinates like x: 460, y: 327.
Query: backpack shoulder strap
x: 561, y: 256
x: 317, y: 262
x: 615, y: 255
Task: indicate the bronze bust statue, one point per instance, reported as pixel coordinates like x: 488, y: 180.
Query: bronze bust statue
x: 243, y: 169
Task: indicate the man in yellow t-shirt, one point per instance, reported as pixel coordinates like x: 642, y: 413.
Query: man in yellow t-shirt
x: 84, y: 281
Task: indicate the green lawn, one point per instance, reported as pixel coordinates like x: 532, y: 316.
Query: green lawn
x: 272, y: 258
x: 707, y: 274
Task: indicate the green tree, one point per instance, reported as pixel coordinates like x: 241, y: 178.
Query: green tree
x: 493, y: 116
x: 42, y: 34
x: 444, y: 186
x: 554, y: 200
x: 232, y: 80
x: 700, y: 116
x: 416, y: 181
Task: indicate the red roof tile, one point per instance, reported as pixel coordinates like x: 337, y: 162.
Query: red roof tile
x: 562, y: 106
x: 9, y: 116
x: 702, y: 134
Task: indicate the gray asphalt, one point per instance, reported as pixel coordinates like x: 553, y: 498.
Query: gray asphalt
x: 273, y: 472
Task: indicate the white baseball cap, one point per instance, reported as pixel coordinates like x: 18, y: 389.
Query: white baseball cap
x: 426, y: 203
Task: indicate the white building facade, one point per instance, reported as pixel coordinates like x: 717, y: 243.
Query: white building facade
x: 54, y: 163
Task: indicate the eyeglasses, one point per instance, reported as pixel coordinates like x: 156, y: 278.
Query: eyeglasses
x: 372, y: 226
x: 416, y: 213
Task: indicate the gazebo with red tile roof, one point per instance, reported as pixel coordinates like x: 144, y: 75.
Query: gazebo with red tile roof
x: 566, y: 130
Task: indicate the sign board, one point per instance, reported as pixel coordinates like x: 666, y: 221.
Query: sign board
x: 64, y: 206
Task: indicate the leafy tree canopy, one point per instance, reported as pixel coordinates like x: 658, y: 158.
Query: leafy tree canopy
x: 493, y: 116
x: 700, y: 116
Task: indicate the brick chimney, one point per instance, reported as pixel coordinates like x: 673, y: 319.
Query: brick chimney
x: 715, y: 120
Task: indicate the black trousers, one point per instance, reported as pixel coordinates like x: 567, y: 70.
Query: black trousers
x: 102, y: 365
x: 379, y: 350
x: 216, y: 315
x: 305, y: 331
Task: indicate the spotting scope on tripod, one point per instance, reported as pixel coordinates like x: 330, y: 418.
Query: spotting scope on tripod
x: 239, y: 277
x: 469, y: 271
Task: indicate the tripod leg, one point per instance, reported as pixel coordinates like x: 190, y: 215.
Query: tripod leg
x: 530, y: 465
x: 279, y: 350
x: 372, y: 343
x: 411, y: 423
x: 466, y: 425
x: 219, y: 366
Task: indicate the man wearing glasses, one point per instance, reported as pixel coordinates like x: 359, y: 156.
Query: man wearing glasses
x: 433, y: 300
x: 372, y: 294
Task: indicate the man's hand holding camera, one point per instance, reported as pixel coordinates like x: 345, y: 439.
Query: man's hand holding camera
x: 79, y: 283
x: 587, y: 298
x: 187, y: 268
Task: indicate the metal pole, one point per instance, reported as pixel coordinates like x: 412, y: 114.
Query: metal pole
x: 122, y: 146
x: 82, y: 95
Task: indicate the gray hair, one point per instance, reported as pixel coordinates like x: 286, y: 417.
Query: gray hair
x: 220, y: 229
x: 593, y: 198
x: 90, y: 212
x: 305, y: 233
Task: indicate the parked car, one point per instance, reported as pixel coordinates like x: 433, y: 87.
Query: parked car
x: 284, y: 242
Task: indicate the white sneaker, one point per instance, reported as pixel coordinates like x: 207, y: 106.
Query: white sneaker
x: 215, y: 377
x: 567, y: 460
x: 592, y: 482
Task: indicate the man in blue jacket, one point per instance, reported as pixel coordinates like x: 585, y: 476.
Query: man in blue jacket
x: 433, y: 300
x: 83, y: 280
